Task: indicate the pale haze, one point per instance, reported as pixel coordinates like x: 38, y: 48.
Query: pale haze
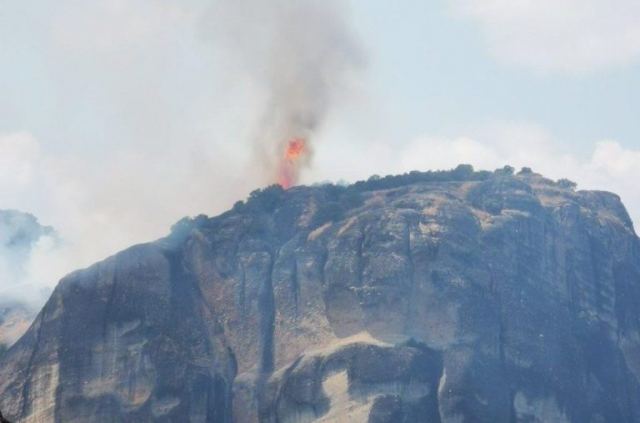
x: 118, y: 118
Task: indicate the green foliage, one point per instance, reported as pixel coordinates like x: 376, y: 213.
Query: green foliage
x: 506, y: 171
x: 567, y: 184
x: 463, y: 172
x: 237, y: 207
x: 266, y: 199
x: 525, y: 171
x: 183, y: 228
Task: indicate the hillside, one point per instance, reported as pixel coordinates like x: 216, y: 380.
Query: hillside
x: 447, y: 297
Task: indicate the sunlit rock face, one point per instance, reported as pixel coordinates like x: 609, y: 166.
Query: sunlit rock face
x: 15, y: 319
x: 431, y: 297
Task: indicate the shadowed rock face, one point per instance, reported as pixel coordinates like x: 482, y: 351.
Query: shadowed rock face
x: 441, y: 297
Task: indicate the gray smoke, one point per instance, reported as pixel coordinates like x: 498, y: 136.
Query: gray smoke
x: 302, y: 54
x: 22, y: 239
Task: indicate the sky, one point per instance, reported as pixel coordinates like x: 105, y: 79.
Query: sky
x: 117, y: 118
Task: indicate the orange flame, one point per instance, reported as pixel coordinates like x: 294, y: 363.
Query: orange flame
x: 294, y: 150
x: 288, y: 172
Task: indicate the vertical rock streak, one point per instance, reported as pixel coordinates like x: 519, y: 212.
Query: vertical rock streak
x: 492, y: 298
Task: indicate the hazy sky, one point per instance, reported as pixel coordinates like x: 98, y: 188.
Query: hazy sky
x: 118, y: 117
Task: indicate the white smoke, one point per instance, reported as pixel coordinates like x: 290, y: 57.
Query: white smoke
x: 99, y: 207
x: 130, y: 149
x: 24, y: 243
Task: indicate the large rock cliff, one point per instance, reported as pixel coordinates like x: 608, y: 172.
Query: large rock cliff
x: 445, y: 297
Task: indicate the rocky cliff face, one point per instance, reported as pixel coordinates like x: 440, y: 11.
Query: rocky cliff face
x: 15, y: 319
x: 432, y: 297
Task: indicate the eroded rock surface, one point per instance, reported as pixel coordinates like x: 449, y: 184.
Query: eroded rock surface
x: 15, y: 319
x: 440, y: 297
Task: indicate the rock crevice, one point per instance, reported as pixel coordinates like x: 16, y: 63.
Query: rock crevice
x: 427, y: 297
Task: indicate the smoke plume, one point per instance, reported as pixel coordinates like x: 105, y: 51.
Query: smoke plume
x: 22, y: 241
x: 149, y: 142
x: 304, y: 56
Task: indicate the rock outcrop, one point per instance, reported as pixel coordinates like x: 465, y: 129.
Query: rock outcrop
x: 15, y: 319
x: 444, y: 297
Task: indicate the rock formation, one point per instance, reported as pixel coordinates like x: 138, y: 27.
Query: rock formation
x: 15, y: 319
x: 446, y: 297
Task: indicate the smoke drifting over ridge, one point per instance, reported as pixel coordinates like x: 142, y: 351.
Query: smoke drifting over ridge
x: 110, y: 186
x: 23, y: 242
x: 304, y: 55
